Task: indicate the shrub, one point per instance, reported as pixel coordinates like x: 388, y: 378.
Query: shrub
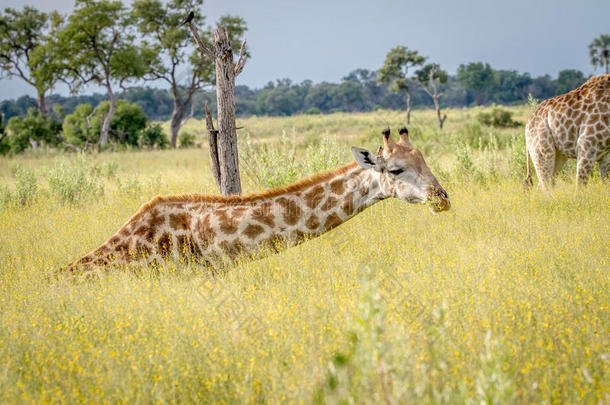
x: 464, y: 165
x: 323, y: 155
x: 125, y: 128
x: 313, y: 111
x: 21, y: 131
x: 5, y: 195
x: 518, y: 158
x: 153, y: 135
x: 271, y: 164
x: 130, y: 186
x: 76, y: 180
x: 186, y: 140
x: 26, y: 187
x: 498, y: 118
x: 472, y: 134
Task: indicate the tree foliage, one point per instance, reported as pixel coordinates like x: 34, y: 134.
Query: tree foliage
x: 98, y: 44
x: 477, y: 77
x: 27, y: 49
x: 82, y: 127
x: 599, y: 51
x: 31, y: 130
x: 395, y: 69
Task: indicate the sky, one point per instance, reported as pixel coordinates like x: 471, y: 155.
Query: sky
x: 324, y: 40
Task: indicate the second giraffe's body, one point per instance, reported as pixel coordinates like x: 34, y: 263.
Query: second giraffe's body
x: 215, y: 228
x: 572, y: 125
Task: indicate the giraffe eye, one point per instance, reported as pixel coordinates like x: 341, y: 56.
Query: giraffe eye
x: 396, y: 172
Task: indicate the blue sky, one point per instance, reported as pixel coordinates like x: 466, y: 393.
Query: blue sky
x: 323, y: 40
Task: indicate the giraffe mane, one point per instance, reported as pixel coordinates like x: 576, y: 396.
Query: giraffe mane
x: 254, y: 197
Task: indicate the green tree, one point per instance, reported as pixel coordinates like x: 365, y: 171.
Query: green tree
x: 31, y: 130
x: 82, y: 128
x: 569, y: 79
x: 395, y: 70
x: 27, y: 44
x: 176, y: 61
x: 98, y: 44
x: 599, y: 51
x: 477, y: 77
x: 430, y: 77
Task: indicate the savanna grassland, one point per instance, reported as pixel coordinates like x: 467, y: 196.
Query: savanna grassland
x: 503, y: 299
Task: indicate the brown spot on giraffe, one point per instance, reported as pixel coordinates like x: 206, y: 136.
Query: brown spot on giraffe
x: 337, y: 186
x: 165, y: 244
x: 253, y: 230
x: 204, y: 231
x: 180, y: 221
x: 155, y: 218
x: 228, y: 224
x: 292, y: 211
x: 330, y: 203
x: 312, y: 222
x: 332, y: 221
x: 314, y: 196
x: 348, y: 205
x: 263, y: 214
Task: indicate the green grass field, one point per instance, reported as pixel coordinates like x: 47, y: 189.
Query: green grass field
x: 503, y: 299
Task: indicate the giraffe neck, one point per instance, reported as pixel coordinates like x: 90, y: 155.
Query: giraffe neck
x: 328, y: 203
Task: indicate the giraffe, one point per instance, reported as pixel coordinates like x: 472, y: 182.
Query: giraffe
x: 572, y: 125
x: 214, y: 229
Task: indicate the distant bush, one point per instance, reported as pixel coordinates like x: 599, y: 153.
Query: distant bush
x: 32, y: 130
x: 313, y: 111
x: 186, y: 140
x: 75, y: 180
x: 498, y: 118
x: 126, y: 127
x: 153, y: 135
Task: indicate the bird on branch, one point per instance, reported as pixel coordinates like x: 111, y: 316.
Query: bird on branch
x: 188, y: 18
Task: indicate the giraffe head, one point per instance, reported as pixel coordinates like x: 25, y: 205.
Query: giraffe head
x: 403, y: 172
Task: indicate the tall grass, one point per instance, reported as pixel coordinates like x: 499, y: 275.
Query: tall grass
x: 503, y: 299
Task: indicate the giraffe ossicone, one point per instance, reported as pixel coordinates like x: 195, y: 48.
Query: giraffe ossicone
x: 213, y: 229
x: 573, y: 125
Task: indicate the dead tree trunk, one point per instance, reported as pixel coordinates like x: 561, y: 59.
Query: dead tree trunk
x: 223, y: 142
x: 431, y: 87
x: 437, y: 106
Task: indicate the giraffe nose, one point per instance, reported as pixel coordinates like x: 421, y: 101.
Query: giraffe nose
x: 439, y: 199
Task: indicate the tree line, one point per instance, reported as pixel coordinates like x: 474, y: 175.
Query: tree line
x: 358, y: 91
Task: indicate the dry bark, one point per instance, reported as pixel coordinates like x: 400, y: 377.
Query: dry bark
x: 223, y: 142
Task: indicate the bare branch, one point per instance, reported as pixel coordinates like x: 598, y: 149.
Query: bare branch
x: 213, y: 140
x: 241, y: 61
x: 200, y: 46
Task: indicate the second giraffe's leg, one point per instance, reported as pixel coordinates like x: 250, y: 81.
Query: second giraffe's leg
x: 587, y: 156
x: 543, y: 158
x: 604, y: 167
x: 586, y: 160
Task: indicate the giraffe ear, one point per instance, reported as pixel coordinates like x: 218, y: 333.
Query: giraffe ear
x: 367, y: 160
x: 404, y: 137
